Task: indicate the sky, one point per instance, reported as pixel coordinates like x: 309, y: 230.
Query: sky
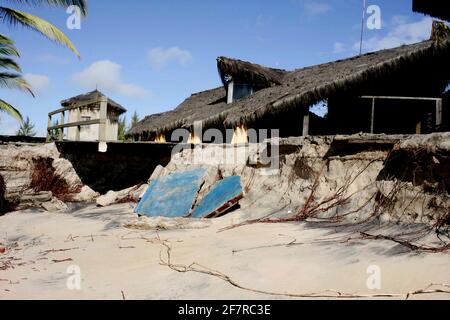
x: 151, y: 55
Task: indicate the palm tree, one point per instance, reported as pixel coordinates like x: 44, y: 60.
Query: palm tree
x: 26, y: 129
x: 134, y: 119
x: 122, y: 128
x: 11, y: 77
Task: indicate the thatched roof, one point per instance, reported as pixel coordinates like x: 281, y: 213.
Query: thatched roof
x: 246, y: 72
x: 299, y: 88
x: 205, y: 106
x: 90, y: 96
x: 434, y: 8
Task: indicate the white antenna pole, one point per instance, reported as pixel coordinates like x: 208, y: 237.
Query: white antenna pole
x: 362, y: 26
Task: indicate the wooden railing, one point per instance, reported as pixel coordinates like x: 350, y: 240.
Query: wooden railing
x: 78, y: 123
x: 418, y: 128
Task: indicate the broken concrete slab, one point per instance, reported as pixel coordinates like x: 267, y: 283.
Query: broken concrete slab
x: 161, y: 223
x: 38, y: 197
x: 139, y: 193
x: 158, y: 173
x: 113, y: 197
x: 108, y: 199
x: 224, y: 195
x: 55, y: 205
x: 173, y: 195
x: 86, y: 195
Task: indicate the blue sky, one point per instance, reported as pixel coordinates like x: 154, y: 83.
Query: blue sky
x: 151, y: 55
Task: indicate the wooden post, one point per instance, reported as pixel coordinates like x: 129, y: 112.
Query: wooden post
x: 438, y: 114
x: 230, y: 92
x: 78, y: 128
x: 372, y: 117
x: 240, y: 135
x: 48, y: 126
x: 306, y: 125
x: 62, y: 120
x: 103, y: 118
x: 419, y: 127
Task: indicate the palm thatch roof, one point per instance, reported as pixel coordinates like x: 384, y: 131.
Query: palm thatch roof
x: 297, y: 89
x: 93, y: 96
x: 246, y: 72
x: 205, y: 106
x: 434, y: 8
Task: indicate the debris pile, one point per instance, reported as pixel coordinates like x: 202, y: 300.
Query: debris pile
x: 176, y: 195
x: 342, y: 179
x: 36, y: 177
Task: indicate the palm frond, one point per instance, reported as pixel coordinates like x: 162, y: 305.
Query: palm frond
x: 7, y: 47
x: 14, y: 81
x: 9, y: 109
x: 16, y: 17
x: 82, y: 4
x: 8, y: 63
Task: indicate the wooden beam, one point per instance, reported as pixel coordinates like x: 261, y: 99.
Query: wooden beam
x: 372, y: 117
x: 438, y: 114
x: 306, y: 125
x: 230, y: 92
x: 103, y: 119
x: 75, y: 106
x: 62, y: 121
x: 240, y: 135
x: 78, y: 128
x: 49, y: 124
x: 399, y: 98
x: 75, y: 124
x: 419, y: 127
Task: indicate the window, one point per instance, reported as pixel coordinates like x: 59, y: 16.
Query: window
x: 241, y: 91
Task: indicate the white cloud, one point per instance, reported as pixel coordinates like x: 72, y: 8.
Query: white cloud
x: 314, y: 8
x: 107, y: 75
x: 38, y: 82
x: 339, y: 47
x: 159, y: 58
x: 398, y: 20
x: 402, y: 33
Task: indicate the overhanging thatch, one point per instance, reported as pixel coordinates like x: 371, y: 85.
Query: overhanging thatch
x: 301, y: 88
x: 248, y: 73
x: 205, y: 106
x: 92, y: 96
x: 435, y: 8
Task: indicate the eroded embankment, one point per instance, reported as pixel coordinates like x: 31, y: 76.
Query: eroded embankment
x: 34, y: 175
x: 342, y: 179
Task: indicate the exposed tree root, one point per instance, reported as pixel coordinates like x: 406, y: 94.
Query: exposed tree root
x: 408, y: 244
x: 44, y: 253
x: 326, y: 294
x: 312, y: 211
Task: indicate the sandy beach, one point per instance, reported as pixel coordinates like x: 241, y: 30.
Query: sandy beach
x: 116, y: 262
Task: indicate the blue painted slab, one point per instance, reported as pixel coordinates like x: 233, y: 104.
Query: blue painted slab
x: 173, y: 195
x: 224, y: 195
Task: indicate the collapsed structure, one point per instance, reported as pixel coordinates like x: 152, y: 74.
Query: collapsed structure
x: 91, y: 117
x: 392, y: 91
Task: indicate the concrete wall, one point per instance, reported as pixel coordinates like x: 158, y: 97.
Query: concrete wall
x: 123, y: 165
x: 91, y: 133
